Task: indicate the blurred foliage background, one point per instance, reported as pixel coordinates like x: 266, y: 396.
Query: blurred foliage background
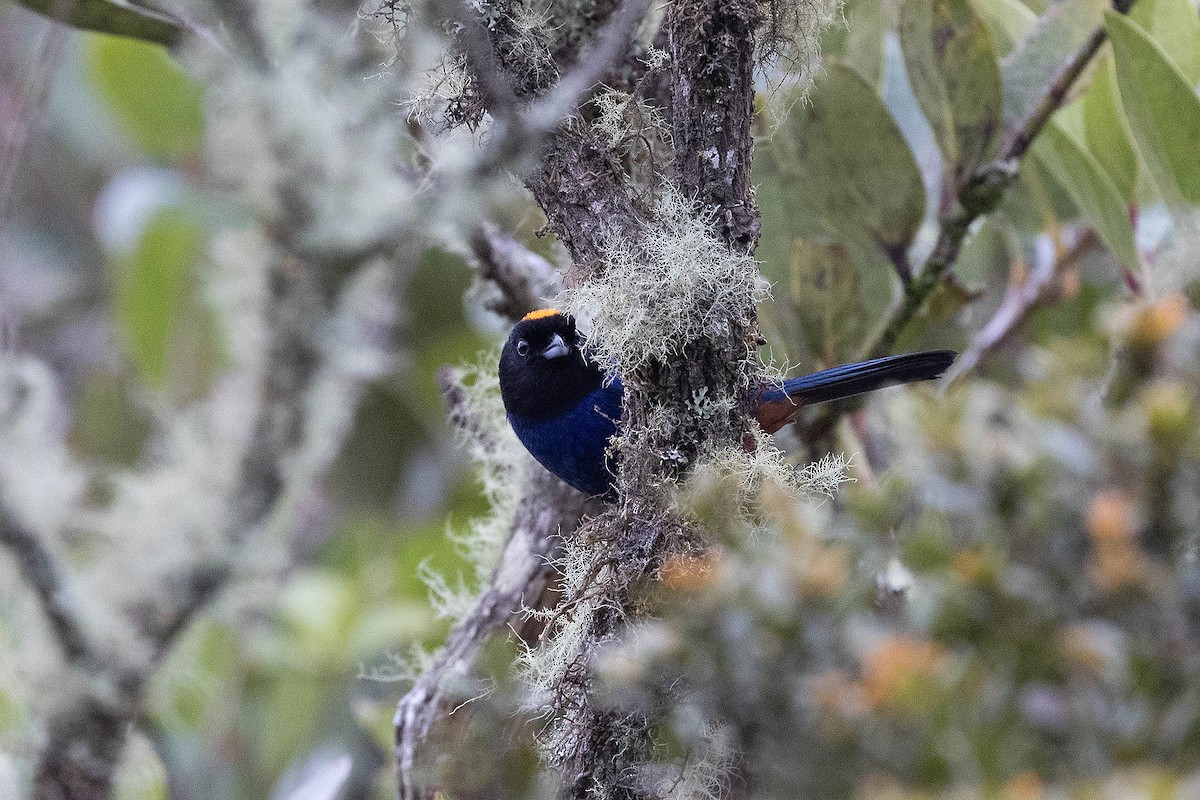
x: 102, y: 235
x: 1003, y: 603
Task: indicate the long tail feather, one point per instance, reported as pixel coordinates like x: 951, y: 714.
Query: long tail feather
x: 851, y: 379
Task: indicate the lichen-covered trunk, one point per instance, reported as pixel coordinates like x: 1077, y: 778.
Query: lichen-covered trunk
x: 712, y: 61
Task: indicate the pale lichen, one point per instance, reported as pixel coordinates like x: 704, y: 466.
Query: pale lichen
x: 673, y: 285
x: 791, y: 34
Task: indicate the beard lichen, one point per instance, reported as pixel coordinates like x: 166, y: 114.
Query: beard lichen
x: 502, y: 467
x: 672, y: 286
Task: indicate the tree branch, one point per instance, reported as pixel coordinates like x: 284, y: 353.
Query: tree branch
x: 712, y: 106
x: 588, y: 198
x: 42, y: 572
x: 579, y: 184
x: 548, y: 510
x: 522, y: 277
x: 519, y: 131
x: 1019, y: 302
x: 603, y: 749
x: 980, y: 194
x: 984, y: 190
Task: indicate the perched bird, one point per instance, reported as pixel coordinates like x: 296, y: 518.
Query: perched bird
x: 564, y: 413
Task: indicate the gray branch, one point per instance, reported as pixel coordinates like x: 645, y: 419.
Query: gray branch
x: 523, y: 279
x: 41, y: 571
x: 548, y: 510
x: 1019, y: 302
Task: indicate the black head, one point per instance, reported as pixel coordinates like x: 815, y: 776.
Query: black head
x: 544, y: 370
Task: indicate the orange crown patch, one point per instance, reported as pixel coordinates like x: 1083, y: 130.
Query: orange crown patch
x: 541, y: 313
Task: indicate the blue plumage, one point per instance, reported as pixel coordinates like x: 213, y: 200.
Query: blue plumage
x: 563, y: 412
x: 573, y: 444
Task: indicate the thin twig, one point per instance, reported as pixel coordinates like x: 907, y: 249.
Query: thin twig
x: 984, y: 190
x: 525, y: 570
x: 522, y: 277
x: 980, y: 194
x: 45, y: 576
x: 1020, y: 301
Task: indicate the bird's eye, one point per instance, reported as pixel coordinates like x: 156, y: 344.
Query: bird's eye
x: 522, y: 347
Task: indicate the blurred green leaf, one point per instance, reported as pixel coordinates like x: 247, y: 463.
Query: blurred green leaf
x: 151, y: 290
x: 196, y: 689
x: 381, y: 630
x: 119, y: 17
x: 1037, y: 201
x: 859, y: 42
x: 1107, y: 131
x: 1032, y: 66
x: 108, y: 427
x: 155, y: 100
x: 288, y: 713
x: 1162, y: 108
x: 929, y: 328
x: 1090, y: 187
x: 1175, y: 26
x: 847, y: 166
x: 827, y: 300
x: 985, y: 255
x: 321, y: 608
x: 952, y: 66
x: 141, y: 775
x: 1009, y: 21
x: 376, y: 720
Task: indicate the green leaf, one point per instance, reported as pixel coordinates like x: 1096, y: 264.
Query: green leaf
x: 986, y: 254
x: 952, y: 66
x: 1009, y: 21
x: 151, y: 289
x: 1107, y: 131
x: 1162, y: 108
x: 119, y: 17
x: 107, y: 426
x: 1090, y: 187
x: 1032, y: 66
x: 1175, y: 26
x: 859, y: 42
x: 1037, y: 201
x: 827, y: 299
x: 141, y: 774
x: 946, y: 303
x: 840, y: 159
x: 155, y: 101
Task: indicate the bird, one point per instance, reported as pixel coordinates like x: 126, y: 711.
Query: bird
x: 565, y: 407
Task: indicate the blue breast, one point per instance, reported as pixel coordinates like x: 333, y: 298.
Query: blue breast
x: 572, y: 445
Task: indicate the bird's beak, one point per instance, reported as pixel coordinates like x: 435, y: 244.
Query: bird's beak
x: 556, y: 348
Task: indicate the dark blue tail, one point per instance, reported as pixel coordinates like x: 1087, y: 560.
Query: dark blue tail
x: 851, y: 379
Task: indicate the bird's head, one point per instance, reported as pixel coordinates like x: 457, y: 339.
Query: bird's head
x: 544, y: 369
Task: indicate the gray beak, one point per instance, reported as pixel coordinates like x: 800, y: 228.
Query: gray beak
x: 556, y: 348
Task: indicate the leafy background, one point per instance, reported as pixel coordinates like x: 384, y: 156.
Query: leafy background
x: 1040, y: 518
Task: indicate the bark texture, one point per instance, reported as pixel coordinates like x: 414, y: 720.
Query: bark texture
x: 712, y: 47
